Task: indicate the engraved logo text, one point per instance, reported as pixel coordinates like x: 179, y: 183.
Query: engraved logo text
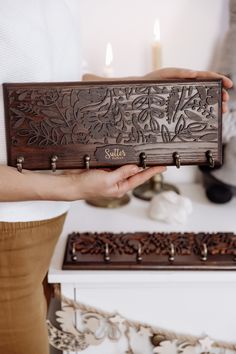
x: 114, y: 154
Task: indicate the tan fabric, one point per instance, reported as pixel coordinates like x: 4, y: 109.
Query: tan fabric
x: 25, y: 252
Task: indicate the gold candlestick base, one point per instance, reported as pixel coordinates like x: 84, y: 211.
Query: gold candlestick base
x: 109, y: 203
x: 152, y: 187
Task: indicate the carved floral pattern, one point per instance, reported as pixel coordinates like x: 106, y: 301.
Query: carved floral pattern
x: 157, y: 243
x: 124, y: 115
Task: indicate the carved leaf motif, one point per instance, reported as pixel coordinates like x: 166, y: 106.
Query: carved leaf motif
x: 65, y: 139
x: 165, y: 134
x: 119, y: 138
x: 73, y: 97
x: 104, y: 107
x: 143, y: 115
x: 32, y: 140
x: 55, y: 135
x: 66, y: 130
x: 18, y: 113
x: 128, y: 92
x: 44, y: 128
x: 57, y: 121
x: 140, y: 102
x: 180, y: 125
x: 69, y: 114
x: 65, y: 101
x: 34, y: 126
x: 23, y: 132
x: 134, y: 133
x: 50, y: 113
x: 196, y: 127
x: 18, y: 123
x: 192, y: 115
x: 158, y: 113
x: 29, y: 108
x: 208, y: 137
x: 159, y: 101
x: 154, y: 125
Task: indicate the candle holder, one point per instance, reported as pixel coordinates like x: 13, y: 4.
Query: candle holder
x: 153, y: 186
x: 109, y: 203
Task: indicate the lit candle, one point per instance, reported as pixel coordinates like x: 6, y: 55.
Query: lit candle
x: 156, y: 47
x: 108, y: 69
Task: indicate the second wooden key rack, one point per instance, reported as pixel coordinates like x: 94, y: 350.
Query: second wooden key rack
x: 108, y: 124
x: 150, y: 251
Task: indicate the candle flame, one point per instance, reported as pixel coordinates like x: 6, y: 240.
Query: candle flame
x: 109, y: 54
x: 156, y: 30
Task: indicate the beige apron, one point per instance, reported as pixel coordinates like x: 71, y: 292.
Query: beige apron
x: 25, y: 252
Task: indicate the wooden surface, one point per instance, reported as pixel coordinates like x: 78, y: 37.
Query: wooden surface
x: 113, y: 123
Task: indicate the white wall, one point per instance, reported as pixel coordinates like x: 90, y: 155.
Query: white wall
x: 190, y: 32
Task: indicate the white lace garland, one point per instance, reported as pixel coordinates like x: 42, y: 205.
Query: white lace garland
x: 97, y: 325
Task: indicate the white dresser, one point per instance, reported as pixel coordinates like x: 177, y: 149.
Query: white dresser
x: 192, y: 302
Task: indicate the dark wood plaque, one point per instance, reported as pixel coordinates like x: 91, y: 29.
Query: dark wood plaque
x: 144, y: 250
x: 101, y: 124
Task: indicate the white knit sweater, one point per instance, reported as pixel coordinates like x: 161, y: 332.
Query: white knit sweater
x: 38, y: 42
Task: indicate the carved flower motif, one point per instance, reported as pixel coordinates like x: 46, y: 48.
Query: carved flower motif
x: 99, y: 125
x: 48, y: 98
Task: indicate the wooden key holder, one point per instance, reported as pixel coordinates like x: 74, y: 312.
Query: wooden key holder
x: 109, y: 124
x: 150, y: 251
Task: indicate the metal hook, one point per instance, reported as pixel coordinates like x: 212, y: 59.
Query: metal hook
x: 204, y: 252
x: 210, y: 158
x: 172, y: 253
x: 74, y: 257
x: 87, y: 161
x: 107, y: 253
x: 19, y: 163
x: 139, y: 253
x: 54, y: 159
x: 143, y: 158
x: 177, y: 159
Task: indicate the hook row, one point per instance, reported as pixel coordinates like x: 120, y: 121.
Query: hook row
x: 143, y: 160
x: 171, y: 253
x: 53, y: 161
x: 177, y: 159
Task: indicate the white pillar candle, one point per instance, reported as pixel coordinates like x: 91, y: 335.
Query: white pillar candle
x: 108, y: 69
x: 156, y: 47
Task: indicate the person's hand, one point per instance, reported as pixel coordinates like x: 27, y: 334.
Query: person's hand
x: 72, y: 184
x: 107, y: 184
x: 176, y: 73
